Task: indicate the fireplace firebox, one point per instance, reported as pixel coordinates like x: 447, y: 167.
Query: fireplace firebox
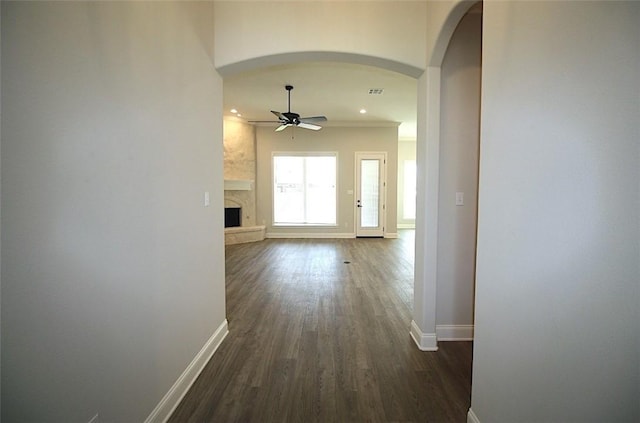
x: 232, y: 217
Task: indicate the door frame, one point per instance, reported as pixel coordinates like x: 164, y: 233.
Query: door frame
x: 359, y: 232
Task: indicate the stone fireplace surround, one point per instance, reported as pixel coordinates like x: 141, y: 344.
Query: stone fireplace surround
x: 239, y: 187
x: 248, y: 231
x: 242, y: 234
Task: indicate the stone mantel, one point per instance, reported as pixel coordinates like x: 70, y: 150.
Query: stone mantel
x: 238, y: 185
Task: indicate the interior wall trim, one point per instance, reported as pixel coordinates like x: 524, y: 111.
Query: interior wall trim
x: 328, y: 235
x: 424, y: 341
x: 454, y: 332
x: 172, y: 398
x: 391, y: 235
x: 471, y: 417
x: 406, y: 225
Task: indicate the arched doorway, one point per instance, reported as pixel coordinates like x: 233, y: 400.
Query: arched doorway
x: 252, y: 74
x: 441, y: 22
x: 424, y: 325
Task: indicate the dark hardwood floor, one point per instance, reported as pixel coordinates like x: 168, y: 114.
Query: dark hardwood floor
x: 313, y: 338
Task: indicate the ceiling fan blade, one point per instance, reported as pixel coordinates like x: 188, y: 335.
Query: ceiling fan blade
x: 313, y: 119
x: 311, y: 126
x: 283, y: 127
x: 279, y: 115
x: 290, y: 118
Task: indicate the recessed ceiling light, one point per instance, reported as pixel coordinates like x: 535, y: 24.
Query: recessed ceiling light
x: 233, y: 111
x: 239, y: 115
x: 363, y: 111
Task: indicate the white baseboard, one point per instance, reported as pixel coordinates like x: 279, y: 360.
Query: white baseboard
x: 424, y: 341
x: 320, y: 235
x: 471, y: 417
x: 327, y: 235
x: 406, y: 225
x: 170, y: 401
x: 454, y: 332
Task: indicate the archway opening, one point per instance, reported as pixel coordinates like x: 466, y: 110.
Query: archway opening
x: 424, y: 328
x: 343, y: 82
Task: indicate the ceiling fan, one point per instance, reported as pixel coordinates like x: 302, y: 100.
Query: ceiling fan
x: 290, y: 118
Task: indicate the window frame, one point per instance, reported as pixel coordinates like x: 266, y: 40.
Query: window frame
x: 275, y: 154
x: 404, y: 189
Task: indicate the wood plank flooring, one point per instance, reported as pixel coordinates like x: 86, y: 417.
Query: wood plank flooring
x: 315, y: 339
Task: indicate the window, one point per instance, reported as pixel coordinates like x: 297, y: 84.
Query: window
x: 304, y: 189
x: 409, y: 200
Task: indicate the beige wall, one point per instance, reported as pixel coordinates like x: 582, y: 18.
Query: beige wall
x: 390, y: 34
x: 112, y: 268
x: 459, y: 143
x: 343, y: 140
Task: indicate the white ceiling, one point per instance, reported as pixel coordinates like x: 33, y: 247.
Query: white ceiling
x: 335, y: 90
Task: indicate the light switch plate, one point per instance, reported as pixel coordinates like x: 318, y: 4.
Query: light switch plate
x: 207, y: 201
x: 459, y: 198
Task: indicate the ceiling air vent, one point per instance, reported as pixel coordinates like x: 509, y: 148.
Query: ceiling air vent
x: 376, y: 91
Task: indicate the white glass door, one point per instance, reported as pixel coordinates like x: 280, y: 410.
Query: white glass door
x: 370, y: 190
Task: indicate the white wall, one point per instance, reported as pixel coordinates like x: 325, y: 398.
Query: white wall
x: 112, y: 269
x: 459, y: 143
x: 343, y: 140
x: 558, y: 298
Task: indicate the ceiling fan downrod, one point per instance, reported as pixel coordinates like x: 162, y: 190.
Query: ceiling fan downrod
x: 289, y: 88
